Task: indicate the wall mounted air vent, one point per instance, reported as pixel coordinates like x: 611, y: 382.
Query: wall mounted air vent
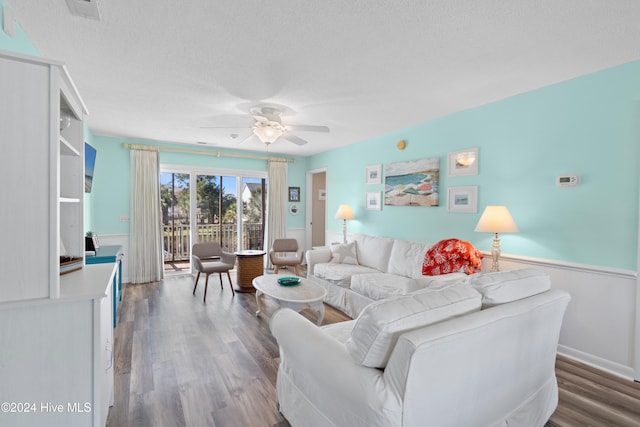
x: 84, y: 8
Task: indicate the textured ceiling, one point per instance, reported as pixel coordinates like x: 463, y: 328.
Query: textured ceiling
x: 161, y: 70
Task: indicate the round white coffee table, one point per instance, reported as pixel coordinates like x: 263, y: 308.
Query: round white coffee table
x: 294, y: 297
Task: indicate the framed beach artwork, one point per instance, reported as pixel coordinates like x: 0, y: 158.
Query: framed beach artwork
x: 374, y: 174
x: 463, y: 199
x: 294, y: 194
x: 412, y: 183
x: 373, y: 201
x: 463, y: 162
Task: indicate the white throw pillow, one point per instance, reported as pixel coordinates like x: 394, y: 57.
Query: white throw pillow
x: 406, y: 258
x: 505, y: 286
x: 380, y: 324
x: 344, y: 253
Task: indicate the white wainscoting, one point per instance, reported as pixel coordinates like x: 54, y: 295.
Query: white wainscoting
x: 599, y: 326
x: 300, y: 234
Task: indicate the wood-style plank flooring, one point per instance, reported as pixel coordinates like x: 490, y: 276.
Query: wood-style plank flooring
x: 182, y: 362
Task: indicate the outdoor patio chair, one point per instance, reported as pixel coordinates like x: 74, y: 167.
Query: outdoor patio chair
x: 209, y: 258
x: 285, y: 252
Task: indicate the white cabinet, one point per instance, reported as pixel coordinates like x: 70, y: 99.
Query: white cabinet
x: 42, y: 175
x: 56, y: 334
x: 56, y: 358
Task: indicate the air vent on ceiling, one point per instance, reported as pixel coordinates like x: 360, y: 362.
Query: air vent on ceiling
x: 84, y: 8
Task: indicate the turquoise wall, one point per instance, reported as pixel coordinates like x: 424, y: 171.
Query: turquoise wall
x: 110, y: 195
x: 587, y: 126
x: 19, y: 42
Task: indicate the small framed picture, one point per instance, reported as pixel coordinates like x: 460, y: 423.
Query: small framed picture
x: 374, y: 174
x: 294, y: 194
x: 463, y: 162
x: 373, y: 201
x: 463, y: 199
x: 294, y: 209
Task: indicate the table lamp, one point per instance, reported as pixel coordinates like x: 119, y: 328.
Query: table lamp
x: 496, y: 219
x: 344, y: 213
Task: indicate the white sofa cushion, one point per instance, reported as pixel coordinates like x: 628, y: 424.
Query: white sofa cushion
x: 406, y: 258
x: 382, y: 285
x: 373, y: 251
x: 440, y: 280
x: 506, y: 286
x: 339, y: 274
x: 344, y: 253
x: 378, y: 327
x: 340, y: 331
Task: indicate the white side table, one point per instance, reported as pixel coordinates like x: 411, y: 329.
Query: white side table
x: 294, y: 297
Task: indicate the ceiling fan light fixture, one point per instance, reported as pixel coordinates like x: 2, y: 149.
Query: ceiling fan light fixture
x: 267, y: 134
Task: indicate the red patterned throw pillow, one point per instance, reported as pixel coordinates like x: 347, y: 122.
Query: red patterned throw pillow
x: 451, y: 256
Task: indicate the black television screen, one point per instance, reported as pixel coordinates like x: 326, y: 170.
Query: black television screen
x: 89, y: 163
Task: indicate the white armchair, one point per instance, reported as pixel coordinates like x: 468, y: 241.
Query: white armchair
x: 490, y: 367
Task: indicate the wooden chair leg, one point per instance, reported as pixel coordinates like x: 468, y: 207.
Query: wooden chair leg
x: 231, y: 283
x: 220, y: 276
x: 196, y: 285
x: 206, y: 285
x: 297, y: 270
x: 275, y: 269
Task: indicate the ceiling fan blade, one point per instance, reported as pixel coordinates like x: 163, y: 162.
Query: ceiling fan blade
x: 246, y: 138
x: 308, y: 128
x: 292, y: 138
x: 226, y: 127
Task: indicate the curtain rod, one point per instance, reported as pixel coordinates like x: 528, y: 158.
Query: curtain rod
x: 145, y: 147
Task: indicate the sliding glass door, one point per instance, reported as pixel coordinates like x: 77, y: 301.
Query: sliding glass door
x: 175, y: 204
x: 216, y: 217
x: 253, y: 198
x: 197, y: 206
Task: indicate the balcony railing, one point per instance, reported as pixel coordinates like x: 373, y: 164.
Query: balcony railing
x: 177, y: 239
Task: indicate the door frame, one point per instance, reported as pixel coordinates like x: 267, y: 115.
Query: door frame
x: 309, y: 203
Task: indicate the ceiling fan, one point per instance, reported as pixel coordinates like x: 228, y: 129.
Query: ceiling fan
x: 268, y: 126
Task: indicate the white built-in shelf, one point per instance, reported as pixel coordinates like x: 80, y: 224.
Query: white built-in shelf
x: 69, y: 200
x: 66, y: 149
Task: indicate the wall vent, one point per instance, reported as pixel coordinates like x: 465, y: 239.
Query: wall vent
x: 84, y: 8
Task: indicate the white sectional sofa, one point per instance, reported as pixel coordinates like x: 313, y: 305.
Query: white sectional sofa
x: 478, y: 351
x: 369, y: 268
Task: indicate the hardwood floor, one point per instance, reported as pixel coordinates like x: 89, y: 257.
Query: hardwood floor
x: 182, y: 362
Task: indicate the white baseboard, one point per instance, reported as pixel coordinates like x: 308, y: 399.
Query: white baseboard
x: 599, y: 324
x: 597, y: 362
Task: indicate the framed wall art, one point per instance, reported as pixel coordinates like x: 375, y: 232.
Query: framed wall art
x: 412, y: 183
x: 374, y: 174
x: 373, y: 201
x: 463, y: 199
x: 294, y: 194
x: 294, y: 209
x: 463, y: 162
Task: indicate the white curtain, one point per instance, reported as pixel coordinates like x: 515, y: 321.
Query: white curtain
x: 277, y: 203
x: 145, y: 259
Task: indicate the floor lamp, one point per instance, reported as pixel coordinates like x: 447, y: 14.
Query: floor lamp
x: 496, y: 219
x: 344, y: 213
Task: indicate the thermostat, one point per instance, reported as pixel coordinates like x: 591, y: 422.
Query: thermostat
x: 568, y: 180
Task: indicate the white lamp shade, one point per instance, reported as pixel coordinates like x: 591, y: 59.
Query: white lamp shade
x: 267, y: 134
x: 344, y: 212
x: 496, y: 219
